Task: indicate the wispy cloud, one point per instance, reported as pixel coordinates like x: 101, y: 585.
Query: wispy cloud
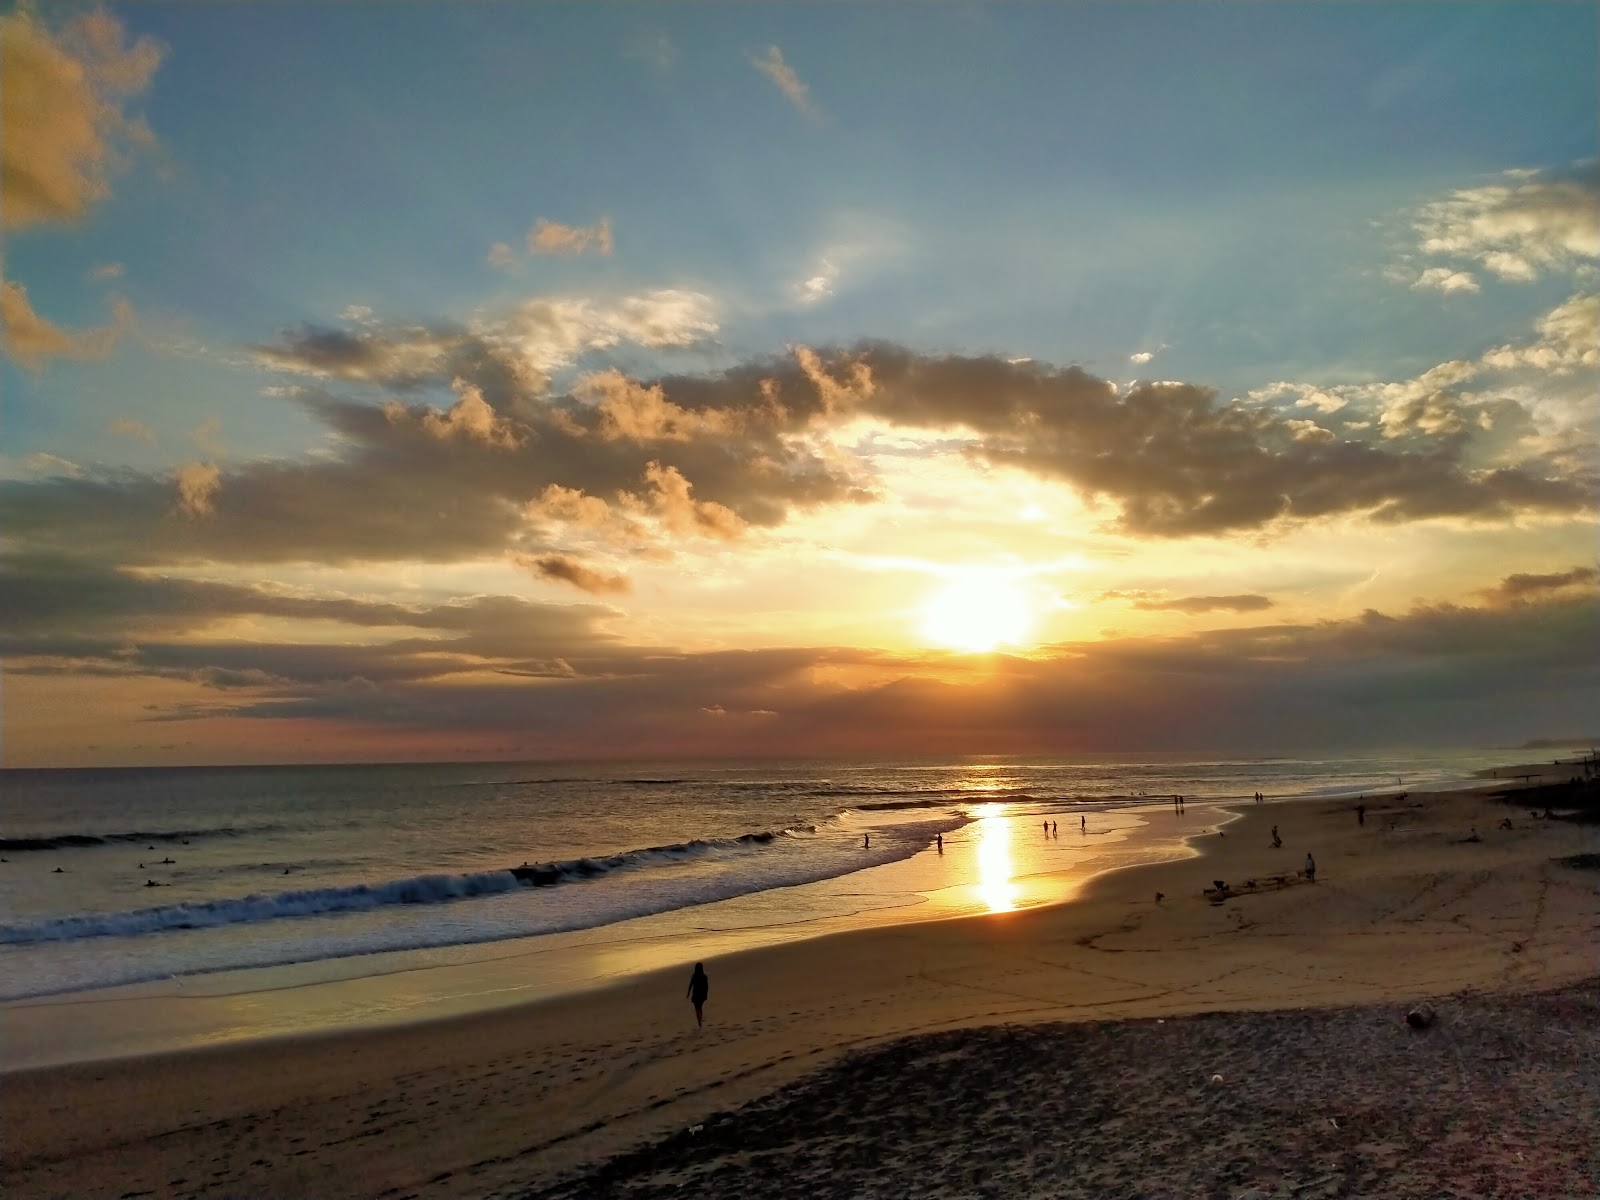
x: 129, y: 428
x: 197, y: 484
x: 652, y: 46
x: 1531, y: 224
x: 42, y: 463
x: 502, y: 257
x: 819, y: 286
x: 1156, y: 602
x: 552, y: 237
x: 786, y: 81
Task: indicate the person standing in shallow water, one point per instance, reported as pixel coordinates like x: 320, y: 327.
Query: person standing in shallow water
x: 699, y: 987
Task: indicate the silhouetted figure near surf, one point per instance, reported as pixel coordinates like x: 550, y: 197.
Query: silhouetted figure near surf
x: 699, y: 988
x: 1361, y: 814
x: 1311, y: 868
x: 939, y: 842
x: 866, y: 841
x: 1083, y: 824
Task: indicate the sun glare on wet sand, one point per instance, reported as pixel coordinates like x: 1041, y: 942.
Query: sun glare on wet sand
x: 995, y: 887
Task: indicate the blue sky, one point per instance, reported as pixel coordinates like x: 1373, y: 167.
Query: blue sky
x: 1226, y: 196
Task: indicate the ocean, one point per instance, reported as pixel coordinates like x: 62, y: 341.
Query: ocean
x: 118, y: 876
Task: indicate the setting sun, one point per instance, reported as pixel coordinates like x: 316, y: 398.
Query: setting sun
x: 977, y: 611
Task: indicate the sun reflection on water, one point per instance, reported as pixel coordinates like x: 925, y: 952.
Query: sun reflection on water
x: 994, y: 886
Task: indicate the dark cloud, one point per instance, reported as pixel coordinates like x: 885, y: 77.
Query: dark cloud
x: 402, y: 361
x: 470, y: 472
x: 569, y: 570
x: 1523, y: 586
x: 1199, y: 604
x: 1177, y: 462
x: 556, y: 679
x: 67, y: 616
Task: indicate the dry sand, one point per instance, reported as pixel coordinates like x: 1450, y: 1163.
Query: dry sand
x: 502, y: 1104
x: 1498, y: 1098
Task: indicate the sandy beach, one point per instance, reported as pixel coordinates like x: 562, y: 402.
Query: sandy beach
x: 1325, y: 1091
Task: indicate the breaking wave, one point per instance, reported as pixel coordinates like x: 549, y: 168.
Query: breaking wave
x: 419, y: 889
x: 74, y: 841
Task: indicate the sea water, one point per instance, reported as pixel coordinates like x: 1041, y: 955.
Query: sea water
x: 116, y: 876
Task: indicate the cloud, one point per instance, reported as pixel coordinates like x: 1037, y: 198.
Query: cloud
x: 62, y: 104
x: 1203, y: 604
x: 566, y: 569
x: 1153, y: 602
x: 129, y: 428
x: 109, y: 270
x: 42, y: 463
x: 1432, y: 675
x: 551, y: 237
x: 819, y: 286
x: 518, y: 347
x: 1178, y: 463
x: 784, y: 78
x: 516, y: 465
x: 206, y: 435
x: 502, y: 257
x: 631, y: 411
x: 1141, y: 357
x: 669, y: 500
x: 33, y: 341
x: 1532, y: 223
x: 1569, y: 340
x: 400, y: 358
x: 65, y: 608
x: 1443, y: 279
x: 197, y: 488
x: 653, y: 47
x: 1522, y: 587
x: 470, y: 417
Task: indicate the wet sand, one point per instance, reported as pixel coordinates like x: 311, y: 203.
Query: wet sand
x: 1403, y: 909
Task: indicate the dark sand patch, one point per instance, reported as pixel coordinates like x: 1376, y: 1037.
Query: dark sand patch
x: 1497, y: 1099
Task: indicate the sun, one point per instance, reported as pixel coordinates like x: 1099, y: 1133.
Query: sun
x: 978, y: 610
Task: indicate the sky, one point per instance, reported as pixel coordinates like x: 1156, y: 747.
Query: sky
x: 498, y: 381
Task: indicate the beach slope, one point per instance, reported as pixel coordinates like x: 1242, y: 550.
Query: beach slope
x: 1404, y: 908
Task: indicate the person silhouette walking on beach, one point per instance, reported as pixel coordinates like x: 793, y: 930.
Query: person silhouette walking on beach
x: 939, y: 841
x: 1083, y: 824
x: 866, y: 841
x: 699, y: 986
x: 1361, y: 814
x: 1311, y: 867
x: 1277, y: 842
x: 1052, y: 829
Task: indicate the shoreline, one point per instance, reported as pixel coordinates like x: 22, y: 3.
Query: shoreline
x: 1402, y: 909
x: 919, y: 900
x: 352, y: 995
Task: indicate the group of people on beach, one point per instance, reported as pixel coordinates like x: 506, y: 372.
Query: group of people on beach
x: 1051, y: 829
